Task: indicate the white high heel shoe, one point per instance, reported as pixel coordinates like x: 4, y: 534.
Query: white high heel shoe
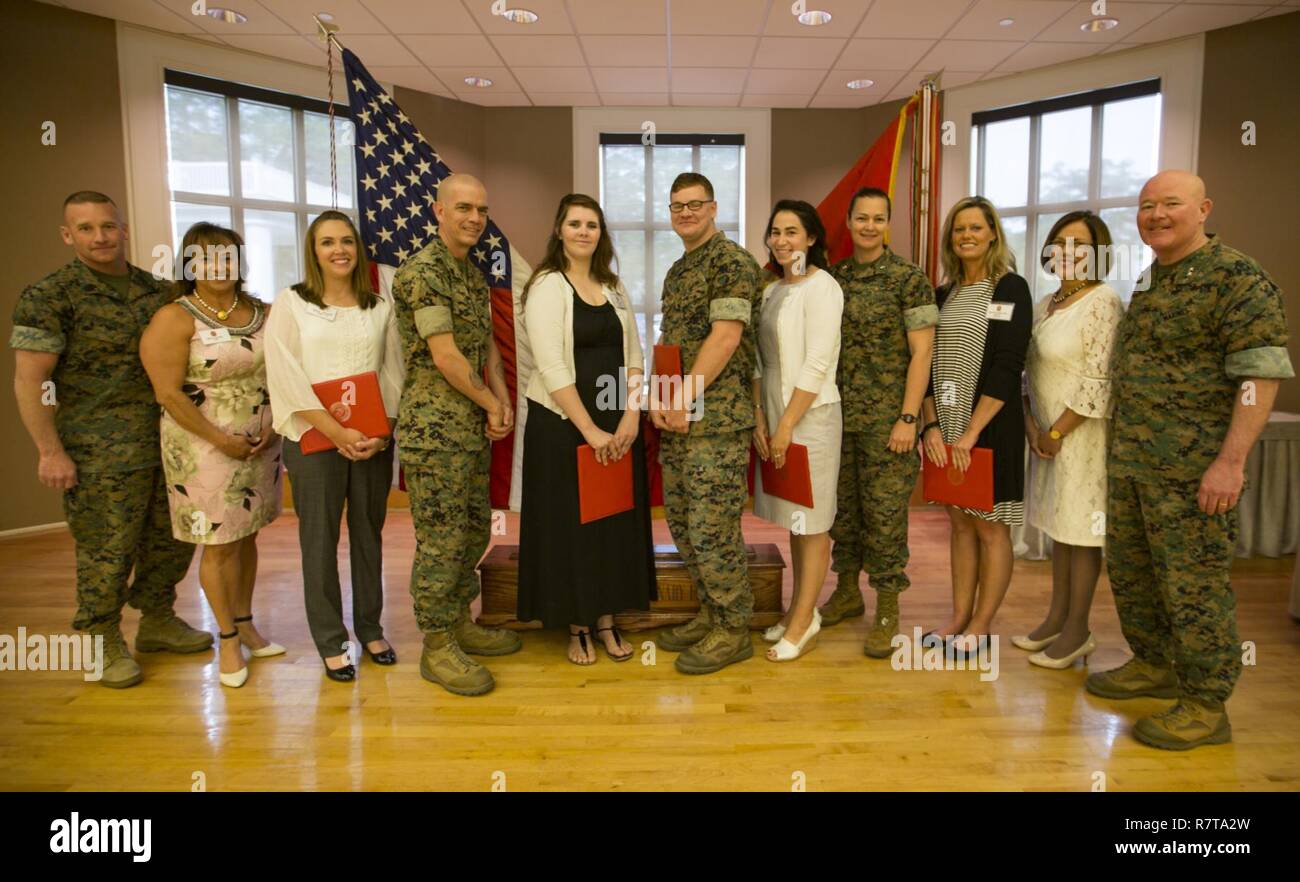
x: 786, y: 651
x: 236, y: 679
x: 266, y: 651
x: 774, y: 633
x: 1043, y: 660
x: 1028, y: 644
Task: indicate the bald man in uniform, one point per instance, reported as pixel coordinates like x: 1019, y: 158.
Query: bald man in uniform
x: 1198, y: 360
x: 447, y: 417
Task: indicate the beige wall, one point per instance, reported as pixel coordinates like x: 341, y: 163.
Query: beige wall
x: 77, y: 89
x: 1250, y: 75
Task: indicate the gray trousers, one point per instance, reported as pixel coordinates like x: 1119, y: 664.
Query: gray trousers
x: 321, y: 484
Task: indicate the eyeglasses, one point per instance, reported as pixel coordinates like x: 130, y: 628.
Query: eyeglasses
x: 693, y: 205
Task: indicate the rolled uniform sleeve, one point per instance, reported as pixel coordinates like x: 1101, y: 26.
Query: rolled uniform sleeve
x: 430, y: 307
x: 41, y: 318
x: 823, y: 310
x: 919, y: 309
x: 544, y: 321
x: 733, y: 291
x: 1253, y: 331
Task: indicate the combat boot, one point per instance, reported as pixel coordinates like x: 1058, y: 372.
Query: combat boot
x: 684, y: 636
x: 1134, y: 679
x: 119, y: 669
x: 475, y: 639
x: 1189, y: 723
x: 719, y: 648
x: 166, y: 631
x: 845, y: 603
x: 442, y: 662
x: 880, y: 638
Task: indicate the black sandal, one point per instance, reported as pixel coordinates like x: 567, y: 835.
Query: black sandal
x: 618, y: 638
x: 582, y: 642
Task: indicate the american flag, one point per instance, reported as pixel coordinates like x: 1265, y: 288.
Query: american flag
x: 398, y: 173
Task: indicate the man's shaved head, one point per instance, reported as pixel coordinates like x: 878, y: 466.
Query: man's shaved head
x: 1177, y: 180
x: 1172, y: 209
x: 462, y: 186
x: 462, y: 211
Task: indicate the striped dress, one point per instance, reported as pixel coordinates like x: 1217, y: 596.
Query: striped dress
x: 958, y: 352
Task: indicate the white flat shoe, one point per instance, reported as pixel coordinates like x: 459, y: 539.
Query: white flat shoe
x: 267, y: 651
x: 235, y: 680
x: 785, y: 651
x: 1043, y: 660
x: 774, y: 633
x: 1028, y: 644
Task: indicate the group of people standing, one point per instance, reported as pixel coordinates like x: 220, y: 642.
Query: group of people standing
x: 1135, y: 424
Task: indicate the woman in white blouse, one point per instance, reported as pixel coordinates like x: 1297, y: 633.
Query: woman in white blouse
x: 796, y: 401
x: 1068, y: 383
x: 327, y: 327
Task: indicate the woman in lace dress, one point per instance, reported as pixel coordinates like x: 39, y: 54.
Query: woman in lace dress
x: 1068, y: 402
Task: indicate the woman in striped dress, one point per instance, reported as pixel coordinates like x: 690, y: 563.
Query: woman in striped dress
x: 985, y: 322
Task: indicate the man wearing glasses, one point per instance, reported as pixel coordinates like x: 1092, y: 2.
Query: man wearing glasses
x: 710, y: 297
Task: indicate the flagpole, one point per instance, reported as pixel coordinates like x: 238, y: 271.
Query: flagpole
x: 326, y: 31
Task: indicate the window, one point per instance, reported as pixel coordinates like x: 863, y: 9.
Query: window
x: 634, y: 182
x: 257, y: 161
x: 1095, y: 150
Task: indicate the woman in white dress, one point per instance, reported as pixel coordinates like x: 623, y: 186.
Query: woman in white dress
x: 796, y: 401
x: 1067, y: 404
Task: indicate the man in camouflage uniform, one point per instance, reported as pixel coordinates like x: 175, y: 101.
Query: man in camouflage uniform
x: 887, y: 337
x: 444, y: 315
x: 710, y: 299
x: 89, y: 407
x: 1196, y: 368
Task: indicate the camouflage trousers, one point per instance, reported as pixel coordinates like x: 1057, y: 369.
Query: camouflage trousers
x: 704, y: 498
x: 1168, y: 564
x: 120, y: 521
x: 870, y: 529
x: 453, y: 522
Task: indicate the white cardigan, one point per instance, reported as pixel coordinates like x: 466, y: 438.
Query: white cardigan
x: 548, y: 321
x: 808, y: 337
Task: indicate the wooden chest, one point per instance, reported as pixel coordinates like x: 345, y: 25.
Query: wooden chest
x: 677, y: 601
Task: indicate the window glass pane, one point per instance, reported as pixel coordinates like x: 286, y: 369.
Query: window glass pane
x: 1130, y: 143
x: 1006, y: 159
x: 266, y: 151
x: 187, y: 214
x: 721, y: 165
x: 1131, y: 256
x: 1014, y: 227
x: 624, y: 183
x: 1065, y: 142
x: 629, y: 246
x: 667, y: 248
x: 271, y: 241
x: 197, y: 143
x: 316, y: 132
x: 974, y: 159
x: 669, y: 162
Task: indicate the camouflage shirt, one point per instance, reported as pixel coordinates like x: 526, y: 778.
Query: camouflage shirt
x: 106, y: 415
x: 434, y: 293
x: 883, y: 300
x: 718, y: 281
x: 1182, y: 350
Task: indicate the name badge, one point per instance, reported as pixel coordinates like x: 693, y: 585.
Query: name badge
x: 1000, y: 311
x: 328, y: 313
x: 214, y: 335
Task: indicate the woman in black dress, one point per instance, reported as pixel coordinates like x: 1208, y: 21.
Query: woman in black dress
x: 587, y: 351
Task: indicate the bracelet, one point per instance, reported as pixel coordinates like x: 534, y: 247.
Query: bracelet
x: 929, y: 426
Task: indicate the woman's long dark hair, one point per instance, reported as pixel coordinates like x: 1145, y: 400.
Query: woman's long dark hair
x: 555, y: 261
x: 312, y: 286
x: 812, y: 225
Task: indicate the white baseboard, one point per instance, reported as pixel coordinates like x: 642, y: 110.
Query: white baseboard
x: 39, y: 528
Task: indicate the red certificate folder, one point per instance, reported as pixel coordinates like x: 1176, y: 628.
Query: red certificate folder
x: 793, y: 481
x: 668, y: 361
x: 974, y: 489
x: 356, y: 403
x: 603, y: 490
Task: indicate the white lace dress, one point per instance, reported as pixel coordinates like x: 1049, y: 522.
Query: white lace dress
x: 1068, y: 365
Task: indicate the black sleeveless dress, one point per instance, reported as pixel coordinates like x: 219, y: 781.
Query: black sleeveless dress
x: 572, y: 573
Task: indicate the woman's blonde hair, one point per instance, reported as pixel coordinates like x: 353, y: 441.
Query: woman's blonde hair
x: 312, y: 287
x: 998, y: 260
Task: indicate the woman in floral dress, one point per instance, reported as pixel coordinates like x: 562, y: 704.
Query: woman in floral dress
x: 203, y: 354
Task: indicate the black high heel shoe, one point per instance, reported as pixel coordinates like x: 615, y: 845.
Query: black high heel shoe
x: 345, y: 674
x: 383, y: 657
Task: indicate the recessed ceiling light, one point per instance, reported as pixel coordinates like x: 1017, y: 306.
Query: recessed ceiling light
x: 1095, y: 25
x: 860, y: 84
x: 814, y: 17
x: 325, y: 16
x: 229, y: 16
x: 520, y: 16
x: 478, y: 82
x: 1006, y: 22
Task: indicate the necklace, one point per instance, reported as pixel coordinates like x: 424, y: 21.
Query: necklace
x: 1063, y: 295
x: 221, y: 314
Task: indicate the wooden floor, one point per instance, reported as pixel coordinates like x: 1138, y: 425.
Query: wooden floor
x: 833, y: 720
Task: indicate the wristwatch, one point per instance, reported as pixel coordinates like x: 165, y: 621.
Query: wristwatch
x: 908, y: 418
x: 1055, y: 435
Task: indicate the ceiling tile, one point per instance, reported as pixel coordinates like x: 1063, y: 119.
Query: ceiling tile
x: 1192, y: 18
x: 784, y: 82
x: 625, y: 51
x: 967, y: 54
x: 487, y: 98
x: 454, y: 78
x: 719, y: 17
x: 1042, y: 54
x: 349, y: 15
x: 565, y: 99
x: 948, y: 80
x: 292, y: 47
x: 884, y: 54
x: 634, y: 99
x: 383, y: 49
x: 692, y: 51
x: 706, y: 80
x: 631, y: 79
x: 883, y: 81
x: 690, y: 99
x: 551, y: 17
x: 408, y: 17
x: 899, y: 18
x: 261, y: 19
x: 445, y: 51
x: 811, y: 53
x: 753, y: 100
x: 1028, y: 17
x: 843, y: 101
x: 554, y: 79
x: 1130, y: 16
x: 410, y: 77
x: 539, y: 50
x: 148, y: 14
x: 617, y: 16
x: 1118, y: 47
x: 1276, y: 10
x: 845, y: 15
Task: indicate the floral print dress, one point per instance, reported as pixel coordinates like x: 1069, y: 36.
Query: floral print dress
x: 215, y: 499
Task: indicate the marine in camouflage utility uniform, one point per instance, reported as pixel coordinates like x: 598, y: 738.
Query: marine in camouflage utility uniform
x: 1183, y: 349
